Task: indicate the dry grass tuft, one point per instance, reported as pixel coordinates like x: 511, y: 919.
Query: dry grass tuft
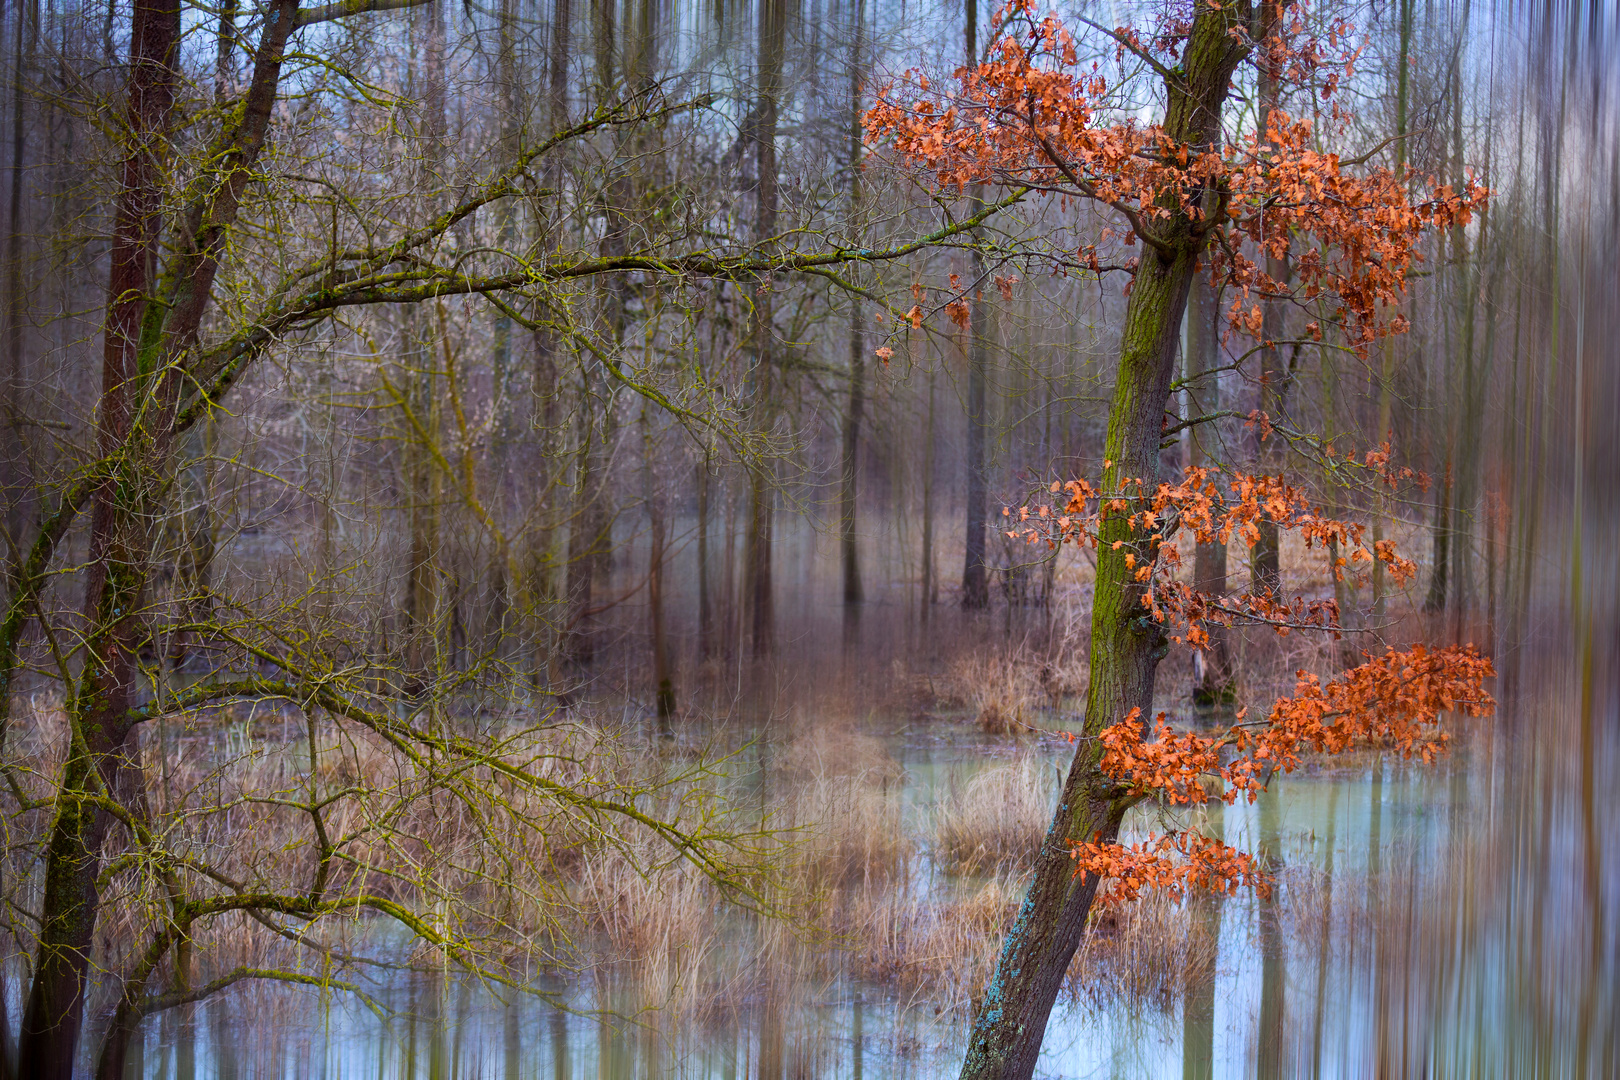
x: 826, y: 751
x: 1151, y: 950
x: 1002, y: 690
x: 945, y: 949
x: 997, y: 821
x: 659, y: 918
x: 1007, y: 690
x: 842, y: 797
x: 1063, y: 679
x: 849, y: 833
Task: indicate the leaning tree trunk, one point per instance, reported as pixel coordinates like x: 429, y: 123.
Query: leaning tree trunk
x: 1125, y: 646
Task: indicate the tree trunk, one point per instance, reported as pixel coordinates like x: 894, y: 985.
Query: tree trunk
x: 1126, y: 647
x: 663, y: 676
x: 850, y: 464
x: 585, y: 530
x: 15, y: 479
x: 1266, y: 558
x: 549, y: 636
x: 99, y: 757
x: 1435, y: 602
x: 1125, y: 653
x: 143, y: 345
x: 730, y: 616
x: 1198, y: 1009
x: 1273, y: 970
x: 422, y: 585
x: 1464, y: 288
x: 590, y: 534
x: 1342, y: 576
x: 857, y: 339
x: 975, y: 581
x: 504, y: 586
x: 421, y: 509
x: 1212, y: 674
x: 930, y: 574
x: 759, y: 606
x: 762, y: 489
x: 1386, y: 382
x: 705, y: 607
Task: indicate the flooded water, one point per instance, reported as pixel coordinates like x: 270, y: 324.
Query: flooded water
x: 1449, y: 921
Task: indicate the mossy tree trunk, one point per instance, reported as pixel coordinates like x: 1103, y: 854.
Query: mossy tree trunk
x: 145, y: 345
x: 120, y: 503
x: 1126, y: 647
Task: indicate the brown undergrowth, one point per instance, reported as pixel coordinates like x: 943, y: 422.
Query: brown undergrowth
x: 1014, y: 690
x: 996, y: 820
x: 849, y: 883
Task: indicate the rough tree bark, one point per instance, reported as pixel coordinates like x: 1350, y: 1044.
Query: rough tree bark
x: 1125, y: 647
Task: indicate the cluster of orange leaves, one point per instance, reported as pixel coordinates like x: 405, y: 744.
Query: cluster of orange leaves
x: 1203, y: 863
x: 1394, y: 701
x: 1031, y: 114
x: 1213, y: 508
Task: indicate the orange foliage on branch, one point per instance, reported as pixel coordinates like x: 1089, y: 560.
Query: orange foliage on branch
x: 1204, y: 862
x: 1214, y: 508
x: 1033, y: 115
x: 1391, y: 701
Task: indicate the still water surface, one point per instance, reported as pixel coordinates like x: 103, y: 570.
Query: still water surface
x: 1458, y: 920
